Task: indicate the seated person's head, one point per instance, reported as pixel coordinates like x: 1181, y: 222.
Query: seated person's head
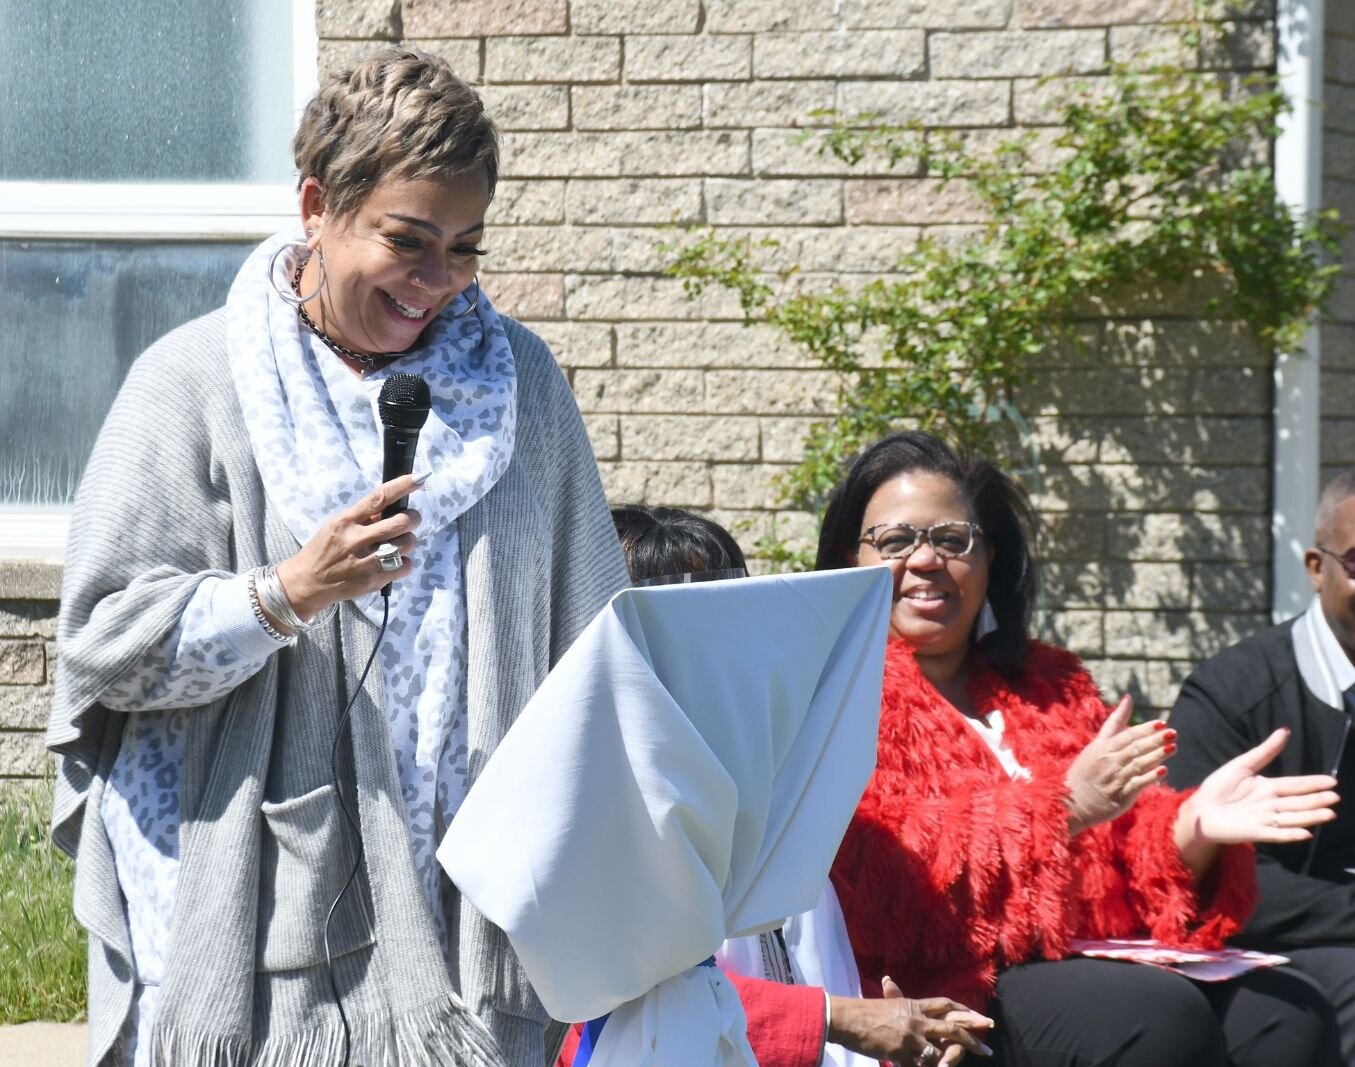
x: 955, y: 529
x: 672, y: 543
x: 1331, y: 561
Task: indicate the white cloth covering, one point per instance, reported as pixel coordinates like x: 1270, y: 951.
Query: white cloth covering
x: 820, y: 955
x: 684, y: 775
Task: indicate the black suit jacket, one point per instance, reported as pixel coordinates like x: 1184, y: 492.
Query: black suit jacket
x: 1233, y: 702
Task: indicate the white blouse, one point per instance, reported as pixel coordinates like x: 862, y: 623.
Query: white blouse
x: 990, y: 726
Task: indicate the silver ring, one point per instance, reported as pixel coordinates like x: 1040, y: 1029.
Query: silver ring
x: 931, y: 1052
x: 388, y: 557
x: 1275, y: 820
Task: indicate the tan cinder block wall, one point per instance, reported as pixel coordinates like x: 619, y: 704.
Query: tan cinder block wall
x: 1338, y: 191
x: 28, y: 608
x: 624, y: 117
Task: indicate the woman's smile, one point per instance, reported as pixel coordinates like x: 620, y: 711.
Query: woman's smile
x: 405, y: 311
x: 397, y: 261
x: 936, y: 599
x: 926, y: 601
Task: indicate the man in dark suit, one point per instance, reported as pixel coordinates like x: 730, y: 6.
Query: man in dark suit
x: 1299, y: 675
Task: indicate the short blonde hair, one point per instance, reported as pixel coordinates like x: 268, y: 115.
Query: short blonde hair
x: 402, y: 113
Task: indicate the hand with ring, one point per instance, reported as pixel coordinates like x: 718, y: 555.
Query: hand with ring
x: 388, y: 557
x: 354, y: 552
x: 1115, y: 767
x: 900, y: 1030
x: 1238, y: 804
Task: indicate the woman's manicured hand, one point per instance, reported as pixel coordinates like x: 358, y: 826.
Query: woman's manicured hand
x: 903, y: 1031
x: 1237, y: 804
x: 1116, y: 766
x: 338, y: 563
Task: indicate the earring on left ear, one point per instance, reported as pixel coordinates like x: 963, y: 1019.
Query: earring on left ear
x: 987, y: 621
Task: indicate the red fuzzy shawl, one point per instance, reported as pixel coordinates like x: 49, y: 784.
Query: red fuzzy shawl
x: 951, y: 870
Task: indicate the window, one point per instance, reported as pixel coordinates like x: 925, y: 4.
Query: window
x: 144, y: 149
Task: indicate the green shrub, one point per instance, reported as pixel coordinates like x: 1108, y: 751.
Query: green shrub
x: 1159, y: 180
x: 42, y: 948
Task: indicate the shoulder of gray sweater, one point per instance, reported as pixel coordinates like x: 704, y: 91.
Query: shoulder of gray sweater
x: 172, y: 391
x: 183, y: 369
x: 537, y: 371
x: 197, y: 345
x: 543, y: 390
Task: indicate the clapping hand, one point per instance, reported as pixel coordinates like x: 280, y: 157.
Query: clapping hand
x: 1238, y: 804
x: 1115, y: 767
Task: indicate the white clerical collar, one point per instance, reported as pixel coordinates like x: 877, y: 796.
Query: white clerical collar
x: 1334, y: 663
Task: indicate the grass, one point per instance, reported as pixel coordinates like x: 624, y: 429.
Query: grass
x: 42, y: 948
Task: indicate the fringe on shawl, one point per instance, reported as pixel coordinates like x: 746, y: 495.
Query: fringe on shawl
x: 444, y: 1033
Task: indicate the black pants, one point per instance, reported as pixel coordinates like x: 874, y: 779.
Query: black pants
x: 1333, y: 968
x: 1100, y: 1013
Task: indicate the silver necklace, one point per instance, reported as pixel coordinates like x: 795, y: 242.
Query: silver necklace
x: 368, y: 362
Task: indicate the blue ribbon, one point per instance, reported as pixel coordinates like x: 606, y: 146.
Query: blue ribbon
x: 592, y: 1030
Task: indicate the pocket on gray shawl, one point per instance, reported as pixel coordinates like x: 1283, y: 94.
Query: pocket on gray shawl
x: 305, y: 858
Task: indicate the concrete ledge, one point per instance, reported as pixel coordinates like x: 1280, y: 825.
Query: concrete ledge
x: 29, y: 580
x: 49, y: 1044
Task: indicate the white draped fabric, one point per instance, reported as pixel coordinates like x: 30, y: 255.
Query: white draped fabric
x: 820, y: 954
x: 683, y: 776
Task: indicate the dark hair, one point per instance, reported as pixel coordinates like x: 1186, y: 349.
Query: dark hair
x: 999, y: 506
x: 663, y: 541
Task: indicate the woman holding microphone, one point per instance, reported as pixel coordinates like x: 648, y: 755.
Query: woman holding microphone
x: 254, y: 812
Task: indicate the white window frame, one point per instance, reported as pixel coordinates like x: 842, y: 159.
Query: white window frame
x: 145, y: 211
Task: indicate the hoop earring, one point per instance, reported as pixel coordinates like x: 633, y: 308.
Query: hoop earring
x: 289, y: 296
x: 475, y: 303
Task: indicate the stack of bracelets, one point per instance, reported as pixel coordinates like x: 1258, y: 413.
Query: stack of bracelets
x: 268, y: 597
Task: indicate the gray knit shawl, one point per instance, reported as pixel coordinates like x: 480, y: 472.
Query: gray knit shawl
x: 172, y: 495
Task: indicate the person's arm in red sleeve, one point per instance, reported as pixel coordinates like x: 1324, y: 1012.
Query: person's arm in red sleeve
x: 786, y: 1023
x: 1134, y: 881
x: 570, y: 1047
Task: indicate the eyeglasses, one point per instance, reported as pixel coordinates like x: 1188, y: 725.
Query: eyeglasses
x: 897, y: 540
x: 1347, y: 561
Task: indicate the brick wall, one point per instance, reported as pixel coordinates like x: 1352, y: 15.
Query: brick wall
x: 624, y: 117
x: 27, y: 652
x: 1338, y: 191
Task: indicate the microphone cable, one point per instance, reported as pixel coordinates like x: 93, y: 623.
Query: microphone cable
x: 403, y: 407
x: 353, y: 825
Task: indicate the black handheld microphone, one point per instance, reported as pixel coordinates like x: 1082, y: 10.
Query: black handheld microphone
x: 403, y: 405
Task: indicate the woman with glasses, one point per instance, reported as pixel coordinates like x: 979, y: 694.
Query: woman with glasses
x: 798, y: 983
x: 1012, y: 812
